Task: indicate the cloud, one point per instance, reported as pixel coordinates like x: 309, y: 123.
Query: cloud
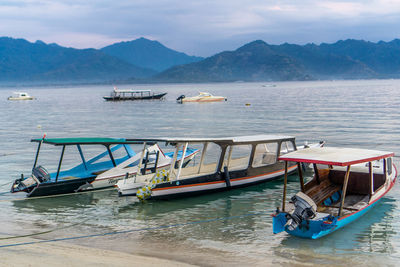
x: 198, y: 27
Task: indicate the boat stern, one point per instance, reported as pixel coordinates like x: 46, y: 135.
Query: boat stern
x: 279, y: 221
x: 38, y: 176
x: 24, y: 184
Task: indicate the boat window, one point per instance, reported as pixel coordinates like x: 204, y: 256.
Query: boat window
x: 195, y: 165
x: 389, y: 165
x: 265, y: 154
x: 286, y: 147
x: 239, y: 157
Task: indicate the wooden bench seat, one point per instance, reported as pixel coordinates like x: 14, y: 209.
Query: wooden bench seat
x: 324, y: 190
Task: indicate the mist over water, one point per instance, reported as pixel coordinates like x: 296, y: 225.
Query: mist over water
x: 343, y: 113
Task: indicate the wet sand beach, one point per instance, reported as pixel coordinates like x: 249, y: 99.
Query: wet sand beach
x: 59, y: 254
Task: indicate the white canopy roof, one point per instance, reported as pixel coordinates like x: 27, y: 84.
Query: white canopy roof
x: 335, y: 156
x: 236, y: 139
x: 131, y: 91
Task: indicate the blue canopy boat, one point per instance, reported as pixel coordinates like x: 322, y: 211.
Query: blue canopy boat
x: 82, y: 176
x: 347, y: 183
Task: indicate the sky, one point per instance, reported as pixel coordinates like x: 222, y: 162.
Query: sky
x: 202, y: 27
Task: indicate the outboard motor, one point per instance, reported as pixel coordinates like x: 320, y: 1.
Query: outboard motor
x: 39, y: 175
x: 179, y: 99
x: 305, y: 209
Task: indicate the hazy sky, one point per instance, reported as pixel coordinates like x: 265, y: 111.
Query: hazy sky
x: 202, y: 27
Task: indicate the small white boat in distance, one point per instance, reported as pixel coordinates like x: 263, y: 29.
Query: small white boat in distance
x: 20, y: 96
x: 202, y: 97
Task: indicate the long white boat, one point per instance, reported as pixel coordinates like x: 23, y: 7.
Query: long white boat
x: 221, y: 164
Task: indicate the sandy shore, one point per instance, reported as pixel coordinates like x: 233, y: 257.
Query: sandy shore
x: 66, y: 254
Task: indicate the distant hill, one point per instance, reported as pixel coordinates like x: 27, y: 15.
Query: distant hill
x: 255, y: 61
x: 382, y: 57
x: 148, y: 54
x: 138, y: 61
x: 322, y: 64
x: 259, y: 61
x: 22, y: 61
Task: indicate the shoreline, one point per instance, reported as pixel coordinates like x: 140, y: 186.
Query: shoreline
x: 61, y: 254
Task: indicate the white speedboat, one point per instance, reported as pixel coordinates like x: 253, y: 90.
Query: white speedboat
x: 20, y: 96
x: 148, y: 161
x: 202, y: 97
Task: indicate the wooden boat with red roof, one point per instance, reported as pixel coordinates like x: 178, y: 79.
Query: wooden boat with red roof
x: 347, y: 183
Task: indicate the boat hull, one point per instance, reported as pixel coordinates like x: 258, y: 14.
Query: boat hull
x: 61, y: 187
x: 205, y: 184
x: 216, y: 99
x: 21, y: 98
x: 125, y: 98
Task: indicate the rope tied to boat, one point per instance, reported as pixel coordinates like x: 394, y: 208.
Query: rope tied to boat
x: 135, y: 230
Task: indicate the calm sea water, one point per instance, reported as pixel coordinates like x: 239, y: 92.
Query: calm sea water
x: 343, y: 113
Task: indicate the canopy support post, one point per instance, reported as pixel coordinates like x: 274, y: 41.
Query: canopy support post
x: 300, y: 171
x: 37, y: 154
x: 172, y: 166
x: 182, y: 160
x: 59, y: 163
x: 229, y: 156
x: 316, y: 173
x: 141, y: 158
x: 346, y: 180
x: 203, y: 153
x: 82, y: 157
x: 284, y: 186
x: 111, y: 156
x: 371, y: 179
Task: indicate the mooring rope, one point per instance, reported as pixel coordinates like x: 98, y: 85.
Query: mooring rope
x: 58, y: 195
x: 44, y: 232
x: 134, y: 230
x: 6, y: 184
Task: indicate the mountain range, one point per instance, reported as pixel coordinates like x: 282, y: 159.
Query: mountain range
x: 148, y: 54
x: 143, y: 60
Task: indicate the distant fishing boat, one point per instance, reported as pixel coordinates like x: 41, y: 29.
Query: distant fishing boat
x: 202, y: 97
x: 20, y: 96
x: 129, y: 94
x: 347, y: 183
